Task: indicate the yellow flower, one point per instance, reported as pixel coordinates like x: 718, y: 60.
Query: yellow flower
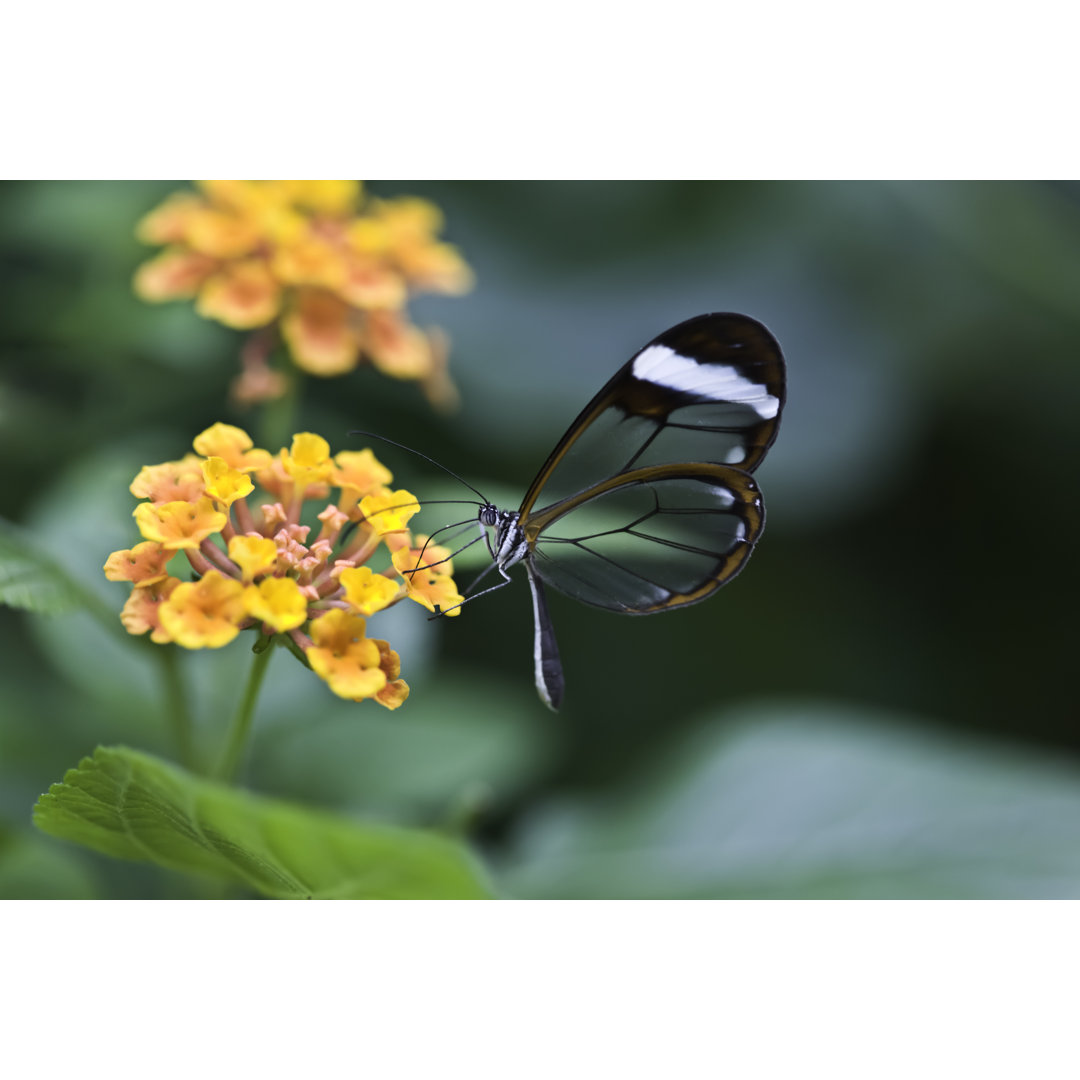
x: 370, y: 284
x: 254, y: 555
x: 334, y: 197
x: 316, y: 260
x: 179, y: 524
x: 278, y: 602
x: 396, y: 347
x: 140, y: 613
x: 312, y: 260
x: 389, y: 511
x: 259, y: 566
x: 320, y: 334
x: 344, y: 657
x: 409, y: 227
x: 308, y: 460
x: 358, y: 473
x: 204, y: 614
x: 170, y: 481
x: 175, y: 274
x: 365, y: 591
x: 167, y: 224
x: 142, y: 565
x: 242, y: 295
x: 220, y: 234
x: 431, y: 586
x: 233, y: 445
x: 224, y: 484
x: 396, y: 690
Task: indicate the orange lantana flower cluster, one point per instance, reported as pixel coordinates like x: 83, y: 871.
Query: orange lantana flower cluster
x: 256, y: 564
x: 329, y: 267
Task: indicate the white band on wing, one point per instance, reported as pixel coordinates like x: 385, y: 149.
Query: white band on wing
x: 663, y: 366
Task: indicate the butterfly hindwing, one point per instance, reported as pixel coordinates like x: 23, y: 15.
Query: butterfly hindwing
x: 651, y: 539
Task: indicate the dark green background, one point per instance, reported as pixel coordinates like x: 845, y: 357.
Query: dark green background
x: 883, y: 704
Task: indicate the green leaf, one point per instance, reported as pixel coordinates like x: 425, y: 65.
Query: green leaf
x: 31, y: 580
x: 133, y: 806
x: 816, y: 801
x: 32, y: 868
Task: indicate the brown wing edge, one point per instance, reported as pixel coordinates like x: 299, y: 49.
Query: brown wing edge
x: 711, y: 336
x: 742, y: 485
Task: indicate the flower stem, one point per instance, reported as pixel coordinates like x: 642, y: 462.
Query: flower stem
x: 241, y: 723
x: 277, y: 419
x: 176, y: 706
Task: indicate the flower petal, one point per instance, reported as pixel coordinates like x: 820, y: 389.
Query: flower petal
x: 319, y: 333
x: 204, y: 614
x: 278, y: 602
x: 242, y: 295
x: 177, y: 525
x: 175, y: 274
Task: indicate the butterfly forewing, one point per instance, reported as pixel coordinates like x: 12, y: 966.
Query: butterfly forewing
x: 650, y: 540
x: 708, y: 390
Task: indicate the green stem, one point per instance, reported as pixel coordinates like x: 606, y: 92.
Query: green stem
x: 241, y: 723
x: 176, y: 706
x: 277, y: 420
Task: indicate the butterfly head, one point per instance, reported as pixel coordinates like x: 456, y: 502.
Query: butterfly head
x: 509, y: 545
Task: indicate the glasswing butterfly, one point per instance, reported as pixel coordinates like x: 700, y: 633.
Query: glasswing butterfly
x: 647, y: 503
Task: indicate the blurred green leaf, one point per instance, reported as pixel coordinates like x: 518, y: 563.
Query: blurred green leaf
x: 133, y: 806
x: 455, y: 735
x: 813, y: 802
x: 31, y: 580
x: 31, y: 868
x: 1026, y: 234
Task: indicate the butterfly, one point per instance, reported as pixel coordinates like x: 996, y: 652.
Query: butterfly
x: 648, y: 502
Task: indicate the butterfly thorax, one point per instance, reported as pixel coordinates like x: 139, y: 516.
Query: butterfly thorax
x: 509, y: 546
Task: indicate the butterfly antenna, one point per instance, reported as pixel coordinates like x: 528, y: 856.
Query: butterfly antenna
x: 421, y: 565
x: 418, y: 453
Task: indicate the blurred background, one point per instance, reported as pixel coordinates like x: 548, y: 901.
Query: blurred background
x: 883, y: 704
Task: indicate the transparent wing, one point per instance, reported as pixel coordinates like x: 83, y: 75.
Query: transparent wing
x: 708, y: 390
x: 650, y: 539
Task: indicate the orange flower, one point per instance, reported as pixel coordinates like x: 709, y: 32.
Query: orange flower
x: 173, y: 275
x: 358, y: 473
x: 224, y: 484
x: 179, y: 524
x: 396, y: 690
x: 242, y: 295
x: 388, y: 511
x: 365, y: 591
x: 277, y: 602
x: 397, y: 348
x: 204, y: 614
x: 258, y: 566
x: 344, y: 657
x: 233, y: 445
x: 255, y: 555
x: 169, y: 481
x: 142, y: 565
x: 320, y: 334
x: 140, y: 613
x: 314, y: 259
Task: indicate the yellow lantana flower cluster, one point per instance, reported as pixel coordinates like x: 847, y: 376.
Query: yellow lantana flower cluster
x: 256, y: 564
x: 328, y: 266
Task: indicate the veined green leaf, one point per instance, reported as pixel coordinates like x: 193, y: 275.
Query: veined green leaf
x: 133, y: 806
x: 31, y: 580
